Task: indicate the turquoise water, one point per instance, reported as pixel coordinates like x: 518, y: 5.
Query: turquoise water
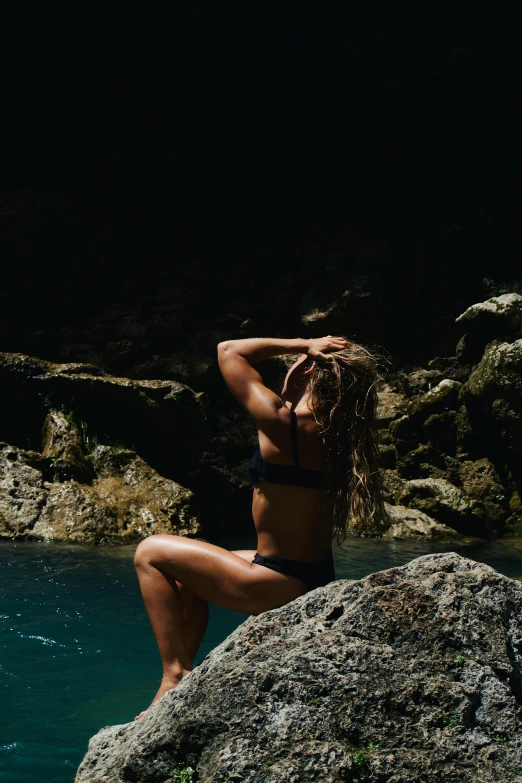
x: 77, y: 652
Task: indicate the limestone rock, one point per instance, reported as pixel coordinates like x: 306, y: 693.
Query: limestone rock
x: 493, y: 395
x: 75, y: 512
x: 421, y: 381
x: 394, y: 484
x: 412, y: 674
x: 164, y: 420
x: 496, y: 318
x: 481, y: 482
x: 430, y: 417
x: 440, y: 499
x: 441, y: 398
x: 392, y: 404
x: 411, y: 523
x: 127, y: 500
x: 62, y: 443
x: 145, y: 502
x: 22, y: 493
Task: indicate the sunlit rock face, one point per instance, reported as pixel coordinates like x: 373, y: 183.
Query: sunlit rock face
x: 411, y: 674
x: 124, y: 500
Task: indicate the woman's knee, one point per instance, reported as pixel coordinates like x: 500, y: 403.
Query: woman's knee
x: 153, y: 549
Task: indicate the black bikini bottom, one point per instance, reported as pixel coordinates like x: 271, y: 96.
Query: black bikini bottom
x: 312, y: 574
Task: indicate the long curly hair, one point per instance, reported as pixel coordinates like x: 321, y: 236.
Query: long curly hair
x: 343, y: 399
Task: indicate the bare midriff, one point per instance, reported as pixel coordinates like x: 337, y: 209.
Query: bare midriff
x: 291, y: 522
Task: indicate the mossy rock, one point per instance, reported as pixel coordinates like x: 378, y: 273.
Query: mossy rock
x: 442, y: 398
x: 447, y: 504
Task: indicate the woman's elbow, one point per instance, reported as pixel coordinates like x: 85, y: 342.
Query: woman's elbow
x: 227, y: 346
x: 223, y: 347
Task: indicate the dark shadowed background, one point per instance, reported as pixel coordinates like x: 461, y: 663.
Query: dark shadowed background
x: 232, y: 150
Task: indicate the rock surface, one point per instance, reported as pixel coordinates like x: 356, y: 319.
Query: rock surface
x: 411, y: 675
x: 62, y: 445
x: 164, y: 420
x: 411, y: 523
x: 439, y: 498
x: 125, y: 501
x: 498, y: 318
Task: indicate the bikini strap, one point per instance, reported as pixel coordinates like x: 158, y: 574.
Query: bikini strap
x: 293, y: 435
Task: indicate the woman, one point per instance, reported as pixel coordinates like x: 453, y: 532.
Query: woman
x: 316, y: 467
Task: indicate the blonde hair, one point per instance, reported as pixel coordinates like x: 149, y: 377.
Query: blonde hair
x: 343, y: 399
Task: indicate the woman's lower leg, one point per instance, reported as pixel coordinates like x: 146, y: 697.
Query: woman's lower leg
x: 178, y: 624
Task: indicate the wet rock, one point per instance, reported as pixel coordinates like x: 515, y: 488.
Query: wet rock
x: 498, y: 318
x: 62, y: 445
x: 446, y: 503
x: 412, y: 674
x: 411, y: 523
x: 22, y: 492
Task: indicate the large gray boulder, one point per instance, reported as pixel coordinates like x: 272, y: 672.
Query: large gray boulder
x: 411, y: 674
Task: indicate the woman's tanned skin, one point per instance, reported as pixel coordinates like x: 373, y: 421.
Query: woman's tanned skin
x: 179, y: 576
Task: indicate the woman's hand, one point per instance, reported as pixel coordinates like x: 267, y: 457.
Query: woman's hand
x: 319, y: 347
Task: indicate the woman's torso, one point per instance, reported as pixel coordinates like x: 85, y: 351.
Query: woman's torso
x: 291, y: 521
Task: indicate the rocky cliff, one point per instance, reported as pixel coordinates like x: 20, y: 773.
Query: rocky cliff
x: 413, y: 674
x: 449, y: 431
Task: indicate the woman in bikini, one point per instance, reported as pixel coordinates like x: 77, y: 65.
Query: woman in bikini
x: 315, y: 469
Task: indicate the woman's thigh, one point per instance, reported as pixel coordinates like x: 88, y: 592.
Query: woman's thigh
x: 227, y: 579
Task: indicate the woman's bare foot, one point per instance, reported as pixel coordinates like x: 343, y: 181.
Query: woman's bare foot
x: 168, y: 682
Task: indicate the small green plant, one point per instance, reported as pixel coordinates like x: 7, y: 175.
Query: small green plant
x: 500, y: 740
x: 312, y: 703
x: 185, y: 775
x: 360, y: 756
x: 459, y: 660
x: 271, y: 668
x: 52, y: 462
x: 470, y: 579
x: 452, y: 718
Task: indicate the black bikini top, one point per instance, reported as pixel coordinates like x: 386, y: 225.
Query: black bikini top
x: 261, y: 470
